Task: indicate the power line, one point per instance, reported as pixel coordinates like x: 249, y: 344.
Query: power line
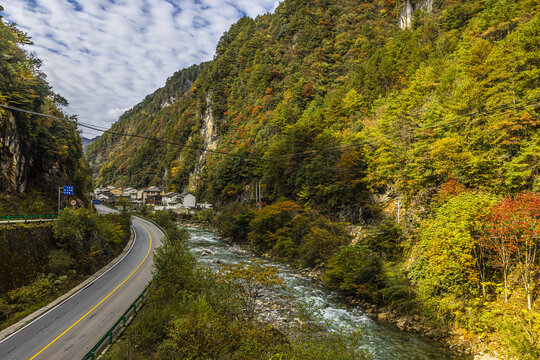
x: 496, y: 111
x: 97, y: 128
x: 493, y: 112
x: 34, y: 113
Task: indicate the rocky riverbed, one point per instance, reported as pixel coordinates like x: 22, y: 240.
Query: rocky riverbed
x: 278, y: 306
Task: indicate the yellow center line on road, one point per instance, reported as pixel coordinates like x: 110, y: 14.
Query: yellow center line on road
x: 105, y: 298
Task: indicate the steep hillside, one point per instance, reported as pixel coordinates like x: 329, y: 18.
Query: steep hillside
x: 342, y: 103
x: 37, y: 154
x: 124, y: 160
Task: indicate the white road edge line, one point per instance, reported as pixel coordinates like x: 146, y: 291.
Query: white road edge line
x: 72, y: 295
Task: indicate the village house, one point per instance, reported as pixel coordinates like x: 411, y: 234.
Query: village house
x: 171, y: 199
x: 116, y: 191
x: 188, y: 200
x: 152, y: 195
x: 107, y: 198
x: 130, y: 193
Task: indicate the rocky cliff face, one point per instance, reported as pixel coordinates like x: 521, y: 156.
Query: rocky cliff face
x: 208, y: 131
x: 410, y: 6
x: 12, y: 161
x: 39, y: 156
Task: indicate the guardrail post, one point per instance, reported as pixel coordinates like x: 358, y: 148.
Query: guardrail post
x: 110, y: 337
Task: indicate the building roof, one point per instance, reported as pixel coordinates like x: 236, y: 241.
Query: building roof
x: 152, y: 188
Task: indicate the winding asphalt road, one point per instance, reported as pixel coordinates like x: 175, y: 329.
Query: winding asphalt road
x: 72, y: 328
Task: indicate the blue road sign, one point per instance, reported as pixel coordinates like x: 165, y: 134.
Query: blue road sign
x: 96, y: 202
x: 68, y: 190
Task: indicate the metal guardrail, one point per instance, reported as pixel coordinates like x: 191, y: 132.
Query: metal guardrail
x: 124, y: 320
x: 26, y: 218
x: 120, y: 324
x: 153, y: 222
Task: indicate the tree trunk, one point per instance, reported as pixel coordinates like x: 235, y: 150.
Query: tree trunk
x: 505, y: 276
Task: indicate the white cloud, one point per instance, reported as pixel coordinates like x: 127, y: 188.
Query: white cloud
x: 115, y: 113
x: 105, y: 56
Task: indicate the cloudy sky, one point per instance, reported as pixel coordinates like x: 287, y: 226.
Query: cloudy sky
x: 104, y: 56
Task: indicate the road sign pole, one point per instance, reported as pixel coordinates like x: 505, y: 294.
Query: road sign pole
x: 59, y: 188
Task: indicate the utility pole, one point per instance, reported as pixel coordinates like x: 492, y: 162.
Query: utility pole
x: 258, y: 195
x: 398, y: 203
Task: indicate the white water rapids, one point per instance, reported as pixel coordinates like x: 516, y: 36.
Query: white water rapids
x: 383, y: 342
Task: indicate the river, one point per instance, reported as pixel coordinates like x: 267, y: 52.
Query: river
x: 382, y: 341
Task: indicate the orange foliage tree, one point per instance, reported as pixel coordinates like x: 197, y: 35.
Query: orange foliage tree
x: 513, y: 234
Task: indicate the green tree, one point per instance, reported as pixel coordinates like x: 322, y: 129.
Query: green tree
x: 445, y: 261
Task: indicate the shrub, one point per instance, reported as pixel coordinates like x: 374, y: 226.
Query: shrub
x: 234, y: 221
x: 354, y: 268
x: 269, y: 220
x: 386, y: 239
x: 205, y: 215
x: 250, y: 279
x: 60, y: 261
x: 322, y: 241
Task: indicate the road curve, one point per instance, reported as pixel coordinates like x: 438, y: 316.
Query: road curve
x: 69, y: 330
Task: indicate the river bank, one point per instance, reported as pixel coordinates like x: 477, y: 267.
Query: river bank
x: 458, y: 342
x: 381, y: 326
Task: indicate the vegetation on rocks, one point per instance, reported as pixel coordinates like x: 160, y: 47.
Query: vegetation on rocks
x: 37, y: 154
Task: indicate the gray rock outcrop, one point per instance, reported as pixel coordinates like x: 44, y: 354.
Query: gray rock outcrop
x: 410, y: 6
x: 12, y: 159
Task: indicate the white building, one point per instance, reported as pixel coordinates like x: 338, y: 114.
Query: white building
x: 130, y: 193
x: 188, y: 200
x: 171, y: 199
x: 204, y: 206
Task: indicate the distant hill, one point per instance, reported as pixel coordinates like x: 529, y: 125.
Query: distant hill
x: 86, y: 142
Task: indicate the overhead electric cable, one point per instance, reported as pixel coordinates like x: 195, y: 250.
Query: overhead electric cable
x: 512, y: 106
x: 96, y: 128
x: 498, y: 110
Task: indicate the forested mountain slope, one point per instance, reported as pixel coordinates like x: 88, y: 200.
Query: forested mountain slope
x: 345, y: 103
x: 134, y: 161
x: 37, y: 154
